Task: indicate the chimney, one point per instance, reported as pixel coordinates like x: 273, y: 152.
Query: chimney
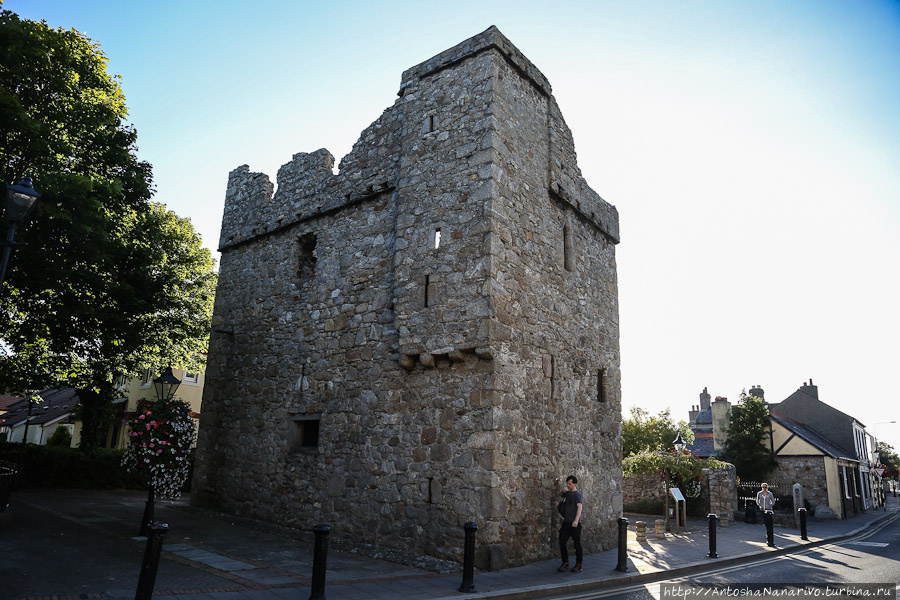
x: 812, y: 390
x: 704, y: 400
x: 757, y: 391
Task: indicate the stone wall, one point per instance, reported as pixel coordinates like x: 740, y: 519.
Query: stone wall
x: 643, y: 488
x: 806, y: 470
x: 428, y: 337
x: 718, y: 491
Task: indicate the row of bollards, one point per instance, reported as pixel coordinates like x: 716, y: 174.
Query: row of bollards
x: 158, y: 530
x: 320, y: 558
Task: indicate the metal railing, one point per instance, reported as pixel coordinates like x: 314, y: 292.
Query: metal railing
x: 7, y: 480
x: 783, y: 492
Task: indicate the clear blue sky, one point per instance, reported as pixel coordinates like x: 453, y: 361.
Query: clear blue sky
x: 751, y: 148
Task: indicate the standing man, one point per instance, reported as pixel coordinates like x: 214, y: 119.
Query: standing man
x: 571, y: 526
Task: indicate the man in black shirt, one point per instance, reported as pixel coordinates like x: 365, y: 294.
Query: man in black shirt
x: 571, y: 526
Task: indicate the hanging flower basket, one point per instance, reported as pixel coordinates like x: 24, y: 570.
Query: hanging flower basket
x: 162, y: 434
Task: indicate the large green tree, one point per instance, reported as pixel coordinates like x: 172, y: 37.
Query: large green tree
x: 889, y: 459
x: 643, y: 432
x: 748, y: 430
x: 109, y: 282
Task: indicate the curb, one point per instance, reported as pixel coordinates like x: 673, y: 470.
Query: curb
x: 543, y: 591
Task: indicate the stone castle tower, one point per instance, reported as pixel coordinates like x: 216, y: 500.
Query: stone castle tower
x: 427, y: 338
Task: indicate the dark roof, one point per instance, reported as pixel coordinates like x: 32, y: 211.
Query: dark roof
x: 704, y: 416
x: 702, y: 447
x: 804, y: 406
x: 6, y: 400
x: 56, y: 403
x: 811, y: 436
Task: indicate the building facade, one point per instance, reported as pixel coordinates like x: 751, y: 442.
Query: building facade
x: 827, y: 451
x: 430, y: 336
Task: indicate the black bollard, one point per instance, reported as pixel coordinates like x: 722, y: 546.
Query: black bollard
x: 768, y: 517
x: 468, y: 582
x: 623, y: 545
x: 320, y: 557
x: 156, y: 531
x: 148, y: 513
x: 750, y: 511
x: 712, y: 535
x: 802, y: 512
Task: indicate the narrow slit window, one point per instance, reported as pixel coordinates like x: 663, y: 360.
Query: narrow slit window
x: 601, y: 386
x: 427, y: 289
x: 437, y: 238
x: 568, y: 252
x: 306, y: 264
x: 430, y: 123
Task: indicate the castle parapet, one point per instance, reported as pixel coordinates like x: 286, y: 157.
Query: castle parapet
x: 568, y: 184
x: 487, y: 39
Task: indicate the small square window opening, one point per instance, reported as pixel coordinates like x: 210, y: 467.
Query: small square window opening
x: 305, y: 434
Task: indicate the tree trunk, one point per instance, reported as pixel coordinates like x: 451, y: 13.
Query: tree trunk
x: 96, y: 416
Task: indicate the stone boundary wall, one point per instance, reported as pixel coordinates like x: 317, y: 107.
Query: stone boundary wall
x: 718, y: 491
x: 808, y: 471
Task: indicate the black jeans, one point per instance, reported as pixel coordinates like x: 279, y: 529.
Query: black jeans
x: 566, y: 532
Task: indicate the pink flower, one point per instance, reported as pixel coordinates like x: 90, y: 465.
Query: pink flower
x: 141, y: 417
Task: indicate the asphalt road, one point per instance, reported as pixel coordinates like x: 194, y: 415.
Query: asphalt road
x: 872, y: 557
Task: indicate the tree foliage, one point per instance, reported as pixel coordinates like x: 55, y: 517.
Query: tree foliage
x: 645, y: 433
x: 889, y: 459
x: 683, y: 465
x: 676, y: 469
x: 110, y: 282
x: 748, y: 430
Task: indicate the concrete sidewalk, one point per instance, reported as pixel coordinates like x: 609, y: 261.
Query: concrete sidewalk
x: 73, y: 544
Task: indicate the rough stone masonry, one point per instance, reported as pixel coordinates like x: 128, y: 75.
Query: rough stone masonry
x: 428, y: 337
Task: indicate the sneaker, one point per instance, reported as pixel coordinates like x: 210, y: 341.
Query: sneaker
x: 563, y: 567
x: 576, y: 568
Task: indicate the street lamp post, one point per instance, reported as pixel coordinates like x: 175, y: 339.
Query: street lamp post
x: 20, y: 200
x: 679, y: 444
x: 165, y: 386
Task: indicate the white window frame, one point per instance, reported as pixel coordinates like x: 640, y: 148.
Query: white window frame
x: 147, y: 380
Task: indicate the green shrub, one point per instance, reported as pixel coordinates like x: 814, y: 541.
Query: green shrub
x: 61, y: 437
x: 63, y: 467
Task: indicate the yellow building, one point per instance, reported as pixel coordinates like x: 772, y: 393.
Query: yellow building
x: 136, y: 388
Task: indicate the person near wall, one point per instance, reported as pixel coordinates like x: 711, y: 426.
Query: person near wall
x: 765, y: 499
x: 571, y: 525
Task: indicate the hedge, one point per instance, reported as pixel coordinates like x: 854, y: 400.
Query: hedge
x: 57, y: 467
